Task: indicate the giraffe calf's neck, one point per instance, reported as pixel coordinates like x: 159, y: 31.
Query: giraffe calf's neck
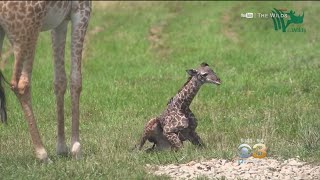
x: 184, y: 97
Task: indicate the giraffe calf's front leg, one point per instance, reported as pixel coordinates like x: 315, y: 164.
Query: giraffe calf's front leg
x: 174, y: 140
x: 195, y: 139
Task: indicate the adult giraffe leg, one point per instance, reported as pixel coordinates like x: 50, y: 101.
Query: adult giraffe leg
x: 60, y: 82
x: 80, y: 18
x: 21, y: 85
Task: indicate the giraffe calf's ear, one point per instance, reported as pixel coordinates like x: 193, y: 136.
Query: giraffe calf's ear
x: 204, y: 64
x: 192, y: 72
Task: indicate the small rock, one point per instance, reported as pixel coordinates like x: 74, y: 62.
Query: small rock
x: 252, y: 171
x: 287, y: 177
x: 246, y: 176
x: 191, y: 163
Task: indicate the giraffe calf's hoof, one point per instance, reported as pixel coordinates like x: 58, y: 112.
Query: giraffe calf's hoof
x: 150, y: 150
x: 76, y: 150
x: 202, y: 146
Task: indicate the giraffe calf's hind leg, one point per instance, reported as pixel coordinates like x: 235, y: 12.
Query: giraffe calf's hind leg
x: 195, y: 139
x: 142, y: 141
x: 149, y: 132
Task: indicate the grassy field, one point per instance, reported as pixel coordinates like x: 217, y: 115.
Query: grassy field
x: 135, y: 59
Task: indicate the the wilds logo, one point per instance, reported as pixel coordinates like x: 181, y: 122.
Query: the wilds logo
x: 279, y: 23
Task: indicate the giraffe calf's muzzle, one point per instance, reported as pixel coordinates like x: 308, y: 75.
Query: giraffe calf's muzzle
x: 216, y: 81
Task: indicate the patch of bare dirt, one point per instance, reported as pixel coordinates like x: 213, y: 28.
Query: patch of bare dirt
x: 266, y: 168
x: 227, y: 29
x: 157, y: 40
x: 157, y: 37
x: 227, y: 22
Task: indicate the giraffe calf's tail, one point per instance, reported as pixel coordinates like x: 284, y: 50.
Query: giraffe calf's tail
x: 3, y: 111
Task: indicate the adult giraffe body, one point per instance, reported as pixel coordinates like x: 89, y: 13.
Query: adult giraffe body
x: 22, y: 21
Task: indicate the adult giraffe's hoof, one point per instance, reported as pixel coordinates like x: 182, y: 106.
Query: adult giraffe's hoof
x: 42, y: 155
x: 62, y: 149
x: 76, y: 150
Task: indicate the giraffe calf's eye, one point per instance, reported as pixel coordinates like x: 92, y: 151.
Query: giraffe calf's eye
x: 204, y: 74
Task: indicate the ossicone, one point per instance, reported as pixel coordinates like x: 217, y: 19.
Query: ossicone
x: 204, y: 64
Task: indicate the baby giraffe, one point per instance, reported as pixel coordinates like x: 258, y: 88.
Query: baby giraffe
x: 177, y: 123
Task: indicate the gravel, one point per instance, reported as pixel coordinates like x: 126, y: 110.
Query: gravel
x: 266, y: 168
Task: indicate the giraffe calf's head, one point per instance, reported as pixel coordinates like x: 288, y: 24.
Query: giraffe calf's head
x: 204, y: 74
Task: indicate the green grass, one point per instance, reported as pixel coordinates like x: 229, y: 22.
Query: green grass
x: 270, y: 88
